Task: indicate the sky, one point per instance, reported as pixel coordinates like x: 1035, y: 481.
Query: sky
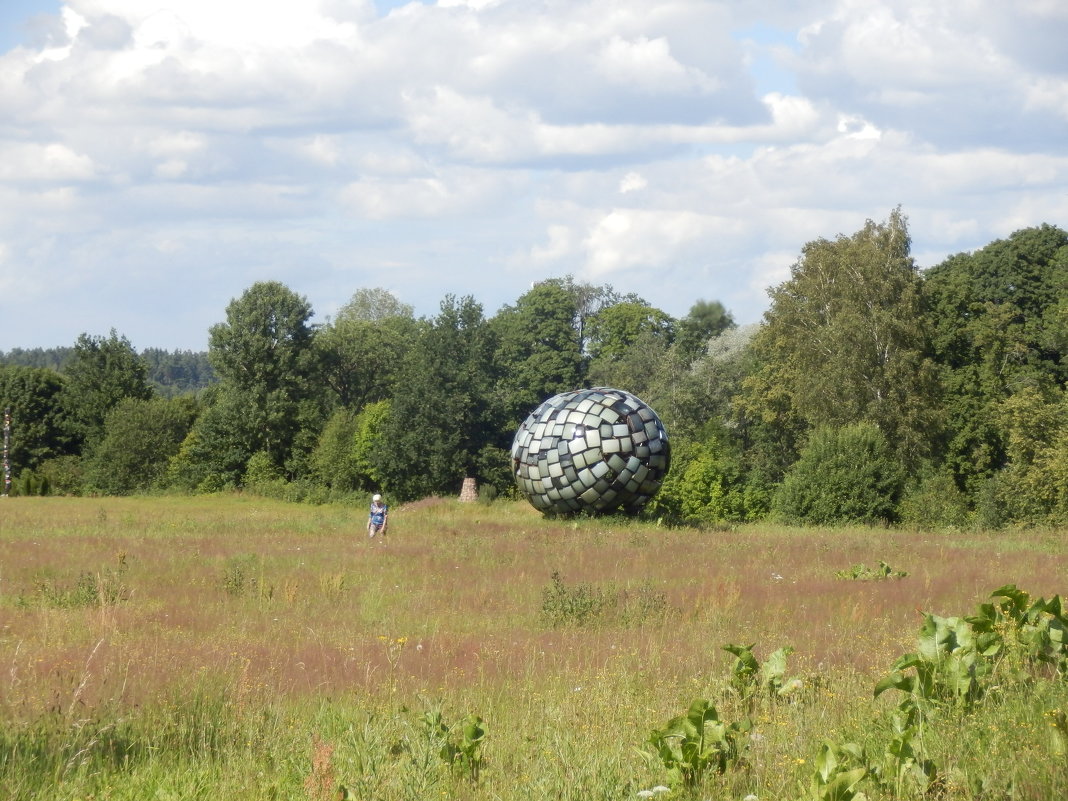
x: 159, y: 157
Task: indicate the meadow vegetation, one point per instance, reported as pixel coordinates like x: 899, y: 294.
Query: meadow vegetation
x: 231, y: 646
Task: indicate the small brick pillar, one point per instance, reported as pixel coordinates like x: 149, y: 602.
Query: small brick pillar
x: 469, y: 492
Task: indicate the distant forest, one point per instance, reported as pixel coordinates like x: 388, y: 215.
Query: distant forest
x: 171, y: 373
x: 871, y: 392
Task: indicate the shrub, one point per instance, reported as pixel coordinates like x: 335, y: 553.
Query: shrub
x: 332, y: 460
x: 934, y: 502
x: 586, y: 605
x: 30, y: 483
x: 261, y: 470
x: 577, y: 605
x: 140, y: 438
x: 707, y: 485
x: 63, y: 475
x: 844, y: 475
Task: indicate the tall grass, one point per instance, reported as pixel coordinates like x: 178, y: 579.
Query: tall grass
x: 246, y: 648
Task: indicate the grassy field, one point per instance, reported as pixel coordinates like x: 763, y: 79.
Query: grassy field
x: 236, y: 647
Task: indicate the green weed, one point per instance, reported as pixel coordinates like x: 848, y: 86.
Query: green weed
x: 243, y: 575
x: 751, y: 680
x: 862, y: 572
x: 461, y: 745
x: 586, y: 605
x: 89, y: 590
x: 694, y: 744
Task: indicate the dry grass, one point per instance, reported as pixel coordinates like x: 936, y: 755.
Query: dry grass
x: 286, y: 608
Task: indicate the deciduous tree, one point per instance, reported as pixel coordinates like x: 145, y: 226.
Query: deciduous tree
x: 269, y: 399
x: 705, y: 321
x: 538, y: 353
x: 844, y: 342
x: 140, y: 438
x: 38, y: 430
x: 999, y: 318
x: 445, y: 411
x: 361, y: 351
x: 101, y: 372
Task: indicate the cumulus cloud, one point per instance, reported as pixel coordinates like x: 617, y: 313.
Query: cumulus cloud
x: 43, y: 163
x: 471, y: 146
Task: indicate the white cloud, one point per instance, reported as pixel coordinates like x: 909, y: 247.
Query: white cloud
x: 625, y: 239
x: 233, y: 23
x: 648, y: 65
x: 46, y: 163
x: 632, y: 182
x: 559, y: 247
x: 1047, y: 94
x: 471, y: 146
x: 448, y: 194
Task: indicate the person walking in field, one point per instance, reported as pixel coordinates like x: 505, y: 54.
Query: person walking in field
x: 378, y: 520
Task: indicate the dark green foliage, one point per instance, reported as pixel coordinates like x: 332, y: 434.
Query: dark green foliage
x: 261, y: 472
x: 140, y: 437
x: 934, y: 501
x: 333, y: 460
x: 170, y: 373
x: 269, y: 399
x: 362, y: 350
x: 707, y: 484
x: 538, y: 353
x: 52, y: 358
x: 38, y: 426
x: 998, y: 322
x: 100, y: 373
x: 588, y: 301
x: 959, y: 375
x: 62, y: 475
x: 639, y: 369
x: 615, y: 328
x: 29, y: 483
x: 1033, y: 487
x: 493, y: 468
x: 844, y: 475
x: 692, y: 396
x: 705, y: 321
x: 446, y: 410
x: 216, y: 450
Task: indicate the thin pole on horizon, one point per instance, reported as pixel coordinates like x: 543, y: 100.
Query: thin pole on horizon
x: 7, y: 461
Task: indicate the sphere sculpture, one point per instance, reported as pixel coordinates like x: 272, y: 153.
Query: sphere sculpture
x: 592, y: 450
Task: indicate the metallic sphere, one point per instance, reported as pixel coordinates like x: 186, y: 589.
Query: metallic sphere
x: 591, y: 450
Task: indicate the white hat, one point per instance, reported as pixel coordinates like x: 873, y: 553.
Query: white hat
x: 376, y: 497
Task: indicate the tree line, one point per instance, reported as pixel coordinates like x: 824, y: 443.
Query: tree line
x: 871, y: 391
x: 170, y: 373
